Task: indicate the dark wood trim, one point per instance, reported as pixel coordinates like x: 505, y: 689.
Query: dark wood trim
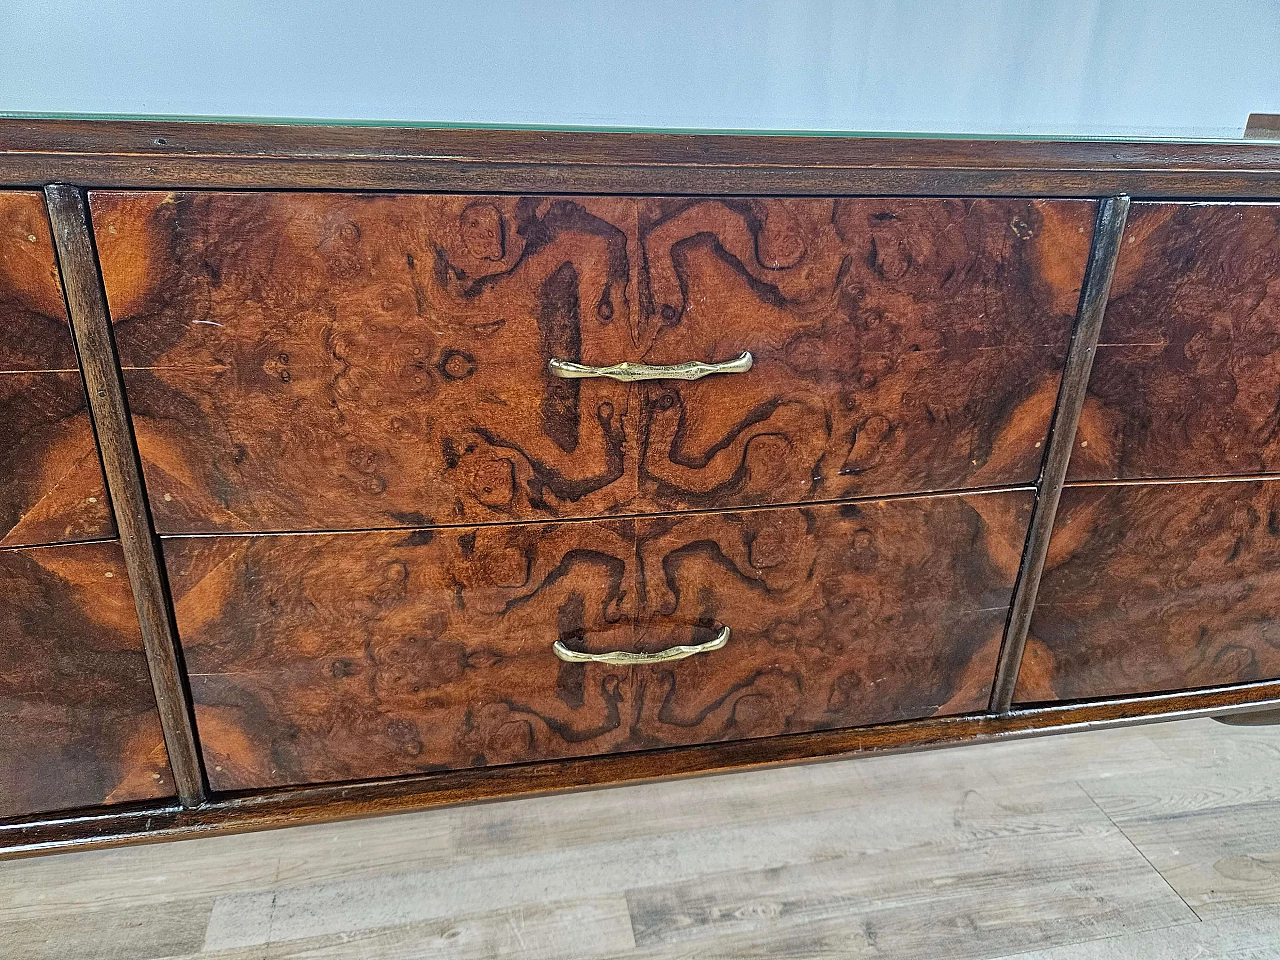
x: 1062, y: 432
x: 91, y: 328
x: 171, y: 154
x: 239, y: 814
x: 193, y: 137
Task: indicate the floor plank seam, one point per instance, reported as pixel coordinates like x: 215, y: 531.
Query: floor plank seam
x: 631, y: 918
x: 1138, y: 850
x: 271, y: 922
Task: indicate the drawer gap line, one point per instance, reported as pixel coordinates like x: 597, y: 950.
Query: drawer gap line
x: 653, y: 515
x: 86, y: 541
x: 1166, y: 481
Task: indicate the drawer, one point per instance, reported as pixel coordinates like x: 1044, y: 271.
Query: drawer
x: 78, y: 721
x: 900, y: 345
x: 336, y: 361
x: 1156, y: 587
x: 1187, y: 374
x: 51, y: 486
x: 327, y: 657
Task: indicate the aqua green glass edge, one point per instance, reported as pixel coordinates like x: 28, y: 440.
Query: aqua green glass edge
x: 591, y: 128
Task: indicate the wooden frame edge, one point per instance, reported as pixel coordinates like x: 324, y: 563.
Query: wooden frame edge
x: 320, y: 804
x: 176, y: 154
x: 91, y: 330
x: 1100, y: 268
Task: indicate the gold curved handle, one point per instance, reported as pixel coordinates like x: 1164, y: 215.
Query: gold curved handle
x: 628, y: 372
x: 624, y: 658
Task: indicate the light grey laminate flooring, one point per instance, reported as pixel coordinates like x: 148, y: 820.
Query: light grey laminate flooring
x: 1147, y: 843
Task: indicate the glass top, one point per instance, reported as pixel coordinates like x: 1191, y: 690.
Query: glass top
x: 987, y: 69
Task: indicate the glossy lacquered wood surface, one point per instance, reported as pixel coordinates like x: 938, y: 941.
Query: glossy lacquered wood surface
x: 901, y: 345
x: 345, y: 656
x: 1066, y: 417
x: 51, y: 487
x: 86, y: 303
x: 1152, y: 587
x: 338, y: 361
x: 78, y: 724
x: 1187, y: 376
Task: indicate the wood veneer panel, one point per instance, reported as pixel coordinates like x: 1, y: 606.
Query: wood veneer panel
x: 331, y: 361
x: 1152, y: 587
x: 900, y: 345
x: 51, y: 485
x: 1188, y: 367
x: 346, y: 656
x: 337, y: 361
x: 78, y: 724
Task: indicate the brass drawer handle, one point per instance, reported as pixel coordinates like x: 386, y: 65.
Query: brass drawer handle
x: 624, y: 658
x: 628, y: 372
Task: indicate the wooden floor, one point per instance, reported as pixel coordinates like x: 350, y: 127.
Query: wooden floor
x: 1144, y: 843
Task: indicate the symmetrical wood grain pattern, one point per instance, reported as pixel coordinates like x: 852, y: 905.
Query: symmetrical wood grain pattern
x: 51, y: 487
x: 1188, y: 369
x: 78, y: 724
x: 300, y: 362
x: 255, y: 156
x: 1154, y: 587
x: 87, y: 308
x: 344, y: 656
x: 336, y: 361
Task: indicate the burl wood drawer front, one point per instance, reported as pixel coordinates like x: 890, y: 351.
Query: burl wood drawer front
x: 331, y: 361
x: 78, y: 722
x: 51, y: 486
x: 1155, y: 587
x: 328, y: 657
x: 1187, y: 373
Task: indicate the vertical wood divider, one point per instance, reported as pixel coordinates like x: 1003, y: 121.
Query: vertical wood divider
x: 1101, y: 266
x: 91, y: 328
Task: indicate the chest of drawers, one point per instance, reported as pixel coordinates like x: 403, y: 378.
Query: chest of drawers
x: 474, y: 464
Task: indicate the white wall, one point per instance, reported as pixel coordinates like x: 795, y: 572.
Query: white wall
x: 1187, y: 68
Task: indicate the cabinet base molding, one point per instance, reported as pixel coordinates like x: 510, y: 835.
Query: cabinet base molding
x: 244, y: 813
